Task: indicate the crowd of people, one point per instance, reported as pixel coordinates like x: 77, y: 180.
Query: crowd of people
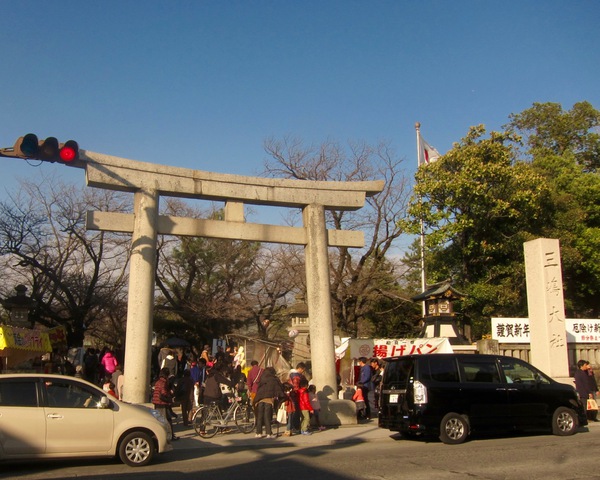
x: 190, y: 378
x: 193, y: 379
x: 103, y: 368
x: 292, y: 401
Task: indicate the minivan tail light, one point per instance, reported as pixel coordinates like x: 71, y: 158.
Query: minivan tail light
x: 419, y: 392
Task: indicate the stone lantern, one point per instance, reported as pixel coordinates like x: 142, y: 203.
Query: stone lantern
x: 440, y: 319
x: 19, y: 307
x: 299, y: 330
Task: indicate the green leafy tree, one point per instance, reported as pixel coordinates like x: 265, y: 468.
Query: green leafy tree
x: 564, y: 147
x: 549, y: 130
x: 478, y: 205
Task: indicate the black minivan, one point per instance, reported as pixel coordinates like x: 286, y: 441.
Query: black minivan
x: 452, y: 395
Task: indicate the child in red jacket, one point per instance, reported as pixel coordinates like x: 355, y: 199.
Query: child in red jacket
x: 305, y: 407
x: 359, y: 400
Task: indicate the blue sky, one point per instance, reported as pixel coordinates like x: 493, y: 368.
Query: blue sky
x: 202, y: 84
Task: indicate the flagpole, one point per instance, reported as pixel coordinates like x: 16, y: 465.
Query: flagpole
x: 419, y: 163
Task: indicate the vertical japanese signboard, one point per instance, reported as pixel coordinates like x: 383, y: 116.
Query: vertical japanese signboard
x: 545, y: 302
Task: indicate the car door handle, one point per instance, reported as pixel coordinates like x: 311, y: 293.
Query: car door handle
x: 54, y: 415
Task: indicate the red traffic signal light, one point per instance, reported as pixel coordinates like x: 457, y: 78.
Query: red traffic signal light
x: 48, y: 150
x: 69, y: 151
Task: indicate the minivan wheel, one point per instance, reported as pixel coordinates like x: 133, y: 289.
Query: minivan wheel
x: 454, y: 429
x: 137, y: 449
x: 564, y: 422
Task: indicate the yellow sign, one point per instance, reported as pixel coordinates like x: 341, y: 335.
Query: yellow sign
x: 24, y: 339
x: 58, y: 336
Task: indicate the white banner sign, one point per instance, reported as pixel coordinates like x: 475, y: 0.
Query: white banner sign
x: 386, y: 347
x: 516, y: 330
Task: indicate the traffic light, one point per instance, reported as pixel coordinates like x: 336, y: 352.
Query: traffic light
x: 48, y: 150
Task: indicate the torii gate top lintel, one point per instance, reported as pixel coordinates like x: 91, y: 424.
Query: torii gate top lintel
x: 116, y: 173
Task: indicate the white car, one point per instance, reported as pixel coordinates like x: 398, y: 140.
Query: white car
x: 52, y: 416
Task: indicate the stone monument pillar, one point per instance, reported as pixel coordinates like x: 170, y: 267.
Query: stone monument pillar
x: 546, y: 307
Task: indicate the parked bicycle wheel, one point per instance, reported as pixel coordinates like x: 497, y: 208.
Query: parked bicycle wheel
x: 244, y: 418
x: 205, y: 422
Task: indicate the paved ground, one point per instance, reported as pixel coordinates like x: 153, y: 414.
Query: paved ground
x: 363, y: 432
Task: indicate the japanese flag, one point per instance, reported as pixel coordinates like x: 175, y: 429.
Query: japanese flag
x: 428, y: 153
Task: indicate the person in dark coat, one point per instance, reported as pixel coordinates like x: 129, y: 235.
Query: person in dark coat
x: 185, y: 396
x: 212, y: 387
x: 586, y: 386
x: 366, y: 384
x: 268, y: 391
x: 592, y: 414
x: 162, y: 397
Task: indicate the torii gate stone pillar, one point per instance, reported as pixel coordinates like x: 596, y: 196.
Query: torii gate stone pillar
x: 141, y: 294
x: 149, y: 182
x: 318, y: 297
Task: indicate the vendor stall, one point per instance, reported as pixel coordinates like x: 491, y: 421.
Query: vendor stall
x: 18, y: 346
x: 351, y: 349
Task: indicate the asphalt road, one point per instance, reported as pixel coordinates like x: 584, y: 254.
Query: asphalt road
x: 345, y: 454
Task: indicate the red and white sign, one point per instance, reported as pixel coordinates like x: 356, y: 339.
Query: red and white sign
x: 389, y: 347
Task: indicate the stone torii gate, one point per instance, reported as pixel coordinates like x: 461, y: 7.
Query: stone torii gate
x: 148, y: 182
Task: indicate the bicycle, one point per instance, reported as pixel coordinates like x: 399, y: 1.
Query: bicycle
x: 209, y: 419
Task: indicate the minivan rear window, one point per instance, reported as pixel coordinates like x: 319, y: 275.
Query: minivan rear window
x: 398, y: 372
